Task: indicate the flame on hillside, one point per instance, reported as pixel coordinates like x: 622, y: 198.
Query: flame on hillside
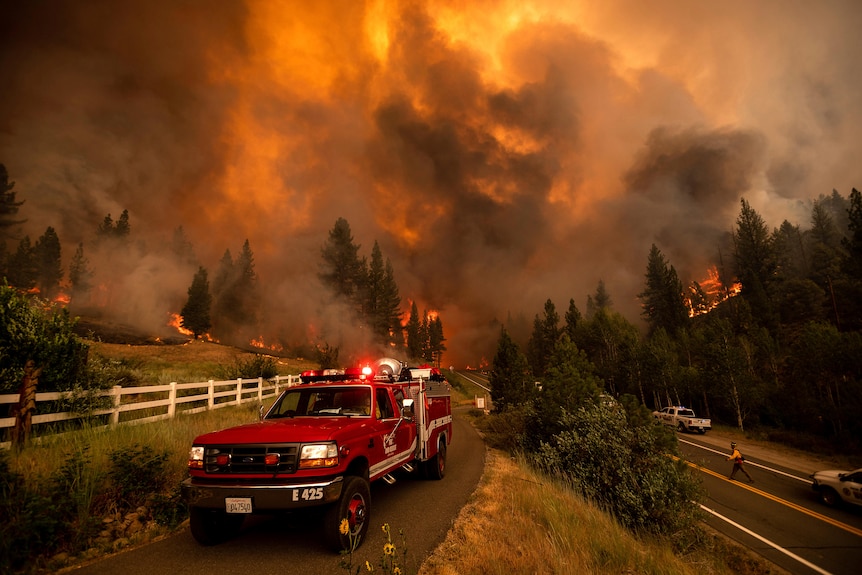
x: 176, y: 322
x: 260, y: 344
x: 707, y: 294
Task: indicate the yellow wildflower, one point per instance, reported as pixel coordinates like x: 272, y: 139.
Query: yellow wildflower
x: 344, y: 528
x: 389, y: 549
x: 368, y: 566
x: 396, y: 571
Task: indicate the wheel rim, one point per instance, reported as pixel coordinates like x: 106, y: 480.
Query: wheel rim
x: 356, y: 514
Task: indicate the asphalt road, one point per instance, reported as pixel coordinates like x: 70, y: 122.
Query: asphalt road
x: 424, y: 509
x: 779, y: 515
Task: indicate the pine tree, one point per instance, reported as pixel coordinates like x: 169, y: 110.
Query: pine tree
x: 123, y: 228
x: 853, y: 243
x: 663, y: 299
x: 436, y: 339
x: 544, y: 338
x: 414, y: 335
x: 573, y: 319
x: 341, y: 267
x: 372, y: 297
x: 8, y: 205
x: 46, y: 256
x: 22, y: 266
x: 80, y: 276
x: 196, y: 311
x: 390, y: 307
x: 510, y: 378
x: 754, y: 260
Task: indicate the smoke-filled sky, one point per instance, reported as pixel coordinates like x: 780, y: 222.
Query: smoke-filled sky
x: 502, y: 152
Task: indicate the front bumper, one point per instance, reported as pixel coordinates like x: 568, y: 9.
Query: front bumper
x: 277, y: 497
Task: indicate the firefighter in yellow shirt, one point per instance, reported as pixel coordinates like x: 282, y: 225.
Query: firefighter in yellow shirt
x: 738, y: 459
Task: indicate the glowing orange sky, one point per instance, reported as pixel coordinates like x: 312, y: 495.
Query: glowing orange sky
x: 502, y: 152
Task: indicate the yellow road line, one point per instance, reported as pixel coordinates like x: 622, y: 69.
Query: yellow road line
x: 814, y: 514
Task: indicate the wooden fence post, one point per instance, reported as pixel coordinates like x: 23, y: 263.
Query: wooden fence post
x: 172, y: 397
x: 238, y: 390
x: 211, y: 397
x: 117, y: 392
x: 26, y: 403
x: 259, y: 389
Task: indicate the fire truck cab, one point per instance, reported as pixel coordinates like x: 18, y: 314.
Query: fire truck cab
x: 321, y: 444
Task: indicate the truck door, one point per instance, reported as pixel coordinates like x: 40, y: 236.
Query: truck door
x: 394, y: 443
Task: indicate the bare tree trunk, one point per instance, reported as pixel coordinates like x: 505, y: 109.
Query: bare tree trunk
x: 26, y: 403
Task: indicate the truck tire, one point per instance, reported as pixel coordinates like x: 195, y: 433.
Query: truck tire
x: 212, y: 526
x: 681, y: 427
x: 435, y: 468
x: 353, y: 505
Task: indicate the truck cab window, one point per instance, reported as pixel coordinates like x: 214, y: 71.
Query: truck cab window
x: 384, y: 405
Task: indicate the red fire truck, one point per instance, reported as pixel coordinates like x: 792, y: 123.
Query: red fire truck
x: 321, y: 444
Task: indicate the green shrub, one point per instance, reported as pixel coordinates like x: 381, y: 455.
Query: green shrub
x: 135, y: 473
x: 258, y: 366
x: 31, y: 328
x: 624, y: 468
x: 30, y: 525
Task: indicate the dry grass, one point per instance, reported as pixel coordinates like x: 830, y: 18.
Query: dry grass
x: 188, y: 362
x: 519, y: 521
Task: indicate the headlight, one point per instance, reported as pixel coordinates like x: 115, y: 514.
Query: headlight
x: 316, y: 455
x: 196, y: 457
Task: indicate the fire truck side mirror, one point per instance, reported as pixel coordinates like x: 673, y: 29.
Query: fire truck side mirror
x: 407, y: 409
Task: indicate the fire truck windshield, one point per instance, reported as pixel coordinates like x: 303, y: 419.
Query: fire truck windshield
x: 323, y: 402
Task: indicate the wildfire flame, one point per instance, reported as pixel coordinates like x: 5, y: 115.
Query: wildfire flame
x: 707, y: 294
x: 176, y: 322
x: 260, y: 344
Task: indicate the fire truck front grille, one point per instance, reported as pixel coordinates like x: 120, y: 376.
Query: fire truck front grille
x: 236, y: 459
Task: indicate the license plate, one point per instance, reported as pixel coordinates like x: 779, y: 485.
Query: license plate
x: 237, y: 504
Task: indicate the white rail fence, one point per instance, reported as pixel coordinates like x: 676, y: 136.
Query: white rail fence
x: 132, y: 405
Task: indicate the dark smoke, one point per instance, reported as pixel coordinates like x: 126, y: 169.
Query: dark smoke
x: 502, y: 153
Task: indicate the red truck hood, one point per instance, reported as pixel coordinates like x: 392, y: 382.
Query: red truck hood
x: 295, y: 430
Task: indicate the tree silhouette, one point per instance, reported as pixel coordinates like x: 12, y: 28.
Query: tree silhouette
x: 196, y: 311
x: 46, y: 255
x: 8, y: 205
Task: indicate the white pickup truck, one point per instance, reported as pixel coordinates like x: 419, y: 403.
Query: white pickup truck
x: 683, y: 419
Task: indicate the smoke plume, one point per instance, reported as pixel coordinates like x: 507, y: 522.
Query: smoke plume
x: 501, y: 152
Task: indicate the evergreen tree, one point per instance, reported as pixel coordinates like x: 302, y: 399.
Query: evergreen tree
x: 754, y: 260
x: 341, y: 267
x: 599, y: 301
x: 22, y: 271
x: 235, y: 292
x: 375, y: 316
x: 510, y: 378
x: 123, y: 228
x: 573, y: 320
x: 390, y: 307
x: 8, y: 205
x: 570, y: 383
x: 80, y: 276
x: 436, y: 339
x: 663, y: 299
x: 46, y: 255
x: 196, y: 311
x: 246, y: 291
x: 414, y: 333
x: 853, y: 243
x: 546, y: 332
x: 106, y: 228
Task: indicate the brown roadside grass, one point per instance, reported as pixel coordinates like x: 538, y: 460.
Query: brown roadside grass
x: 519, y: 521
x: 195, y: 360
